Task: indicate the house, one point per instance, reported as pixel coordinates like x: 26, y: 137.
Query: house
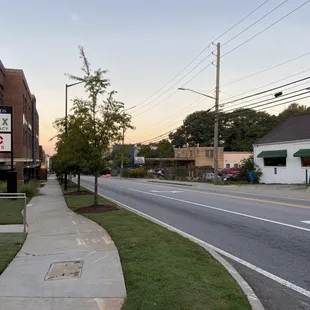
x: 283, y: 155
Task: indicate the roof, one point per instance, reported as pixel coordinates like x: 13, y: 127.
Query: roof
x: 294, y: 128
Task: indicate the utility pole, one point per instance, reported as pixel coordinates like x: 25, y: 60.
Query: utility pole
x: 66, y: 130
x: 122, y: 152
x: 216, y: 117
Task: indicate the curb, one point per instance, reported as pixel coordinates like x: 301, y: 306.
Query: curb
x: 253, y: 300
x: 163, y: 182
x: 247, y: 290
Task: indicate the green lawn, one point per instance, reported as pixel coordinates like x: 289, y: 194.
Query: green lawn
x: 10, y: 244
x: 11, y: 211
x: 162, y: 269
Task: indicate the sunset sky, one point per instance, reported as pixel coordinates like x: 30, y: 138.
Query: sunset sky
x: 144, y: 44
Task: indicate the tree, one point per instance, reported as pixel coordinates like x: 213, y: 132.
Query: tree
x: 245, y: 126
x: 164, y: 149
x: 146, y: 151
x: 103, y: 121
x: 197, y: 128
x: 122, y: 154
x: 72, y: 148
x: 291, y: 110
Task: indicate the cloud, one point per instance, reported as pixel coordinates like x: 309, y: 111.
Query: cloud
x: 75, y: 17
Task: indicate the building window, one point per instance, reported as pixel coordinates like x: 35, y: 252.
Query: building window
x: 25, y: 137
x: 275, y: 162
x: 305, y: 161
x: 209, y: 153
x: 191, y: 153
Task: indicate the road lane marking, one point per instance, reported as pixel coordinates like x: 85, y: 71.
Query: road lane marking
x: 206, y: 245
x: 306, y: 222
x: 244, y: 193
x: 174, y: 192
x: 223, y: 210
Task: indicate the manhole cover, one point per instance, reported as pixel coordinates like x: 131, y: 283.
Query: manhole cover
x: 64, y: 270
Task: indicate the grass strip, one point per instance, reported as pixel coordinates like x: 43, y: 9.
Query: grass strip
x: 11, y: 211
x: 10, y: 244
x: 162, y: 269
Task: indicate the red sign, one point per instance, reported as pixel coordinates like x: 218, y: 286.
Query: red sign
x: 1, y: 139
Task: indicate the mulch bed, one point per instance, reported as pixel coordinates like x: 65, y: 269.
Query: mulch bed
x: 78, y: 193
x: 97, y: 209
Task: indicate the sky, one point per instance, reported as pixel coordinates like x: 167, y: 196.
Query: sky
x: 145, y: 44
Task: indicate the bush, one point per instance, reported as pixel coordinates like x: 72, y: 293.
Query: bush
x: 135, y: 173
x: 30, y: 189
x: 246, y: 166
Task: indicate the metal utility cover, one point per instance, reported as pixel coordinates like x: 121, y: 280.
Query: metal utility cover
x: 64, y: 270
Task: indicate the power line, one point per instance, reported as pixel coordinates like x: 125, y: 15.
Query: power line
x: 299, y: 99
x: 208, y: 46
x: 171, y: 87
x: 268, y: 84
x: 264, y: 102
x: 266, y: 28
x: 266, y: 91
x: 267, y: 69
x: 253, y: 24
x: 268, y: 95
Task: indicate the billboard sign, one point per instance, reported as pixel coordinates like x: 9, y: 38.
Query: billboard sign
x: 139, y: 160
x: 5, y: 142
x: 6, y: 129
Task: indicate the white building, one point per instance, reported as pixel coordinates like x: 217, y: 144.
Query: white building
x: 283, y: 155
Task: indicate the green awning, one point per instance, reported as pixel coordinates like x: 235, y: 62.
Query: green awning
x: 302, y: 153
x: 272, y: 154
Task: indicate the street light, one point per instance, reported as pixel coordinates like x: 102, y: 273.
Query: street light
x: 66, y: 119
x: 197, y: 92
x: 215, y: 144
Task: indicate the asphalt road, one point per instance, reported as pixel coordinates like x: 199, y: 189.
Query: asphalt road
x: 265, y: 238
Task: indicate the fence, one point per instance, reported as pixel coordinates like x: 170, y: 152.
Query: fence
x: 197, y: 174
x: 15, y: 196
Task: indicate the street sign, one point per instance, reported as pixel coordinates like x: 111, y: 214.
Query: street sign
x: 5, y: 142
x: 6, y: 130
x: 5, y: 122
x: 139, y: 160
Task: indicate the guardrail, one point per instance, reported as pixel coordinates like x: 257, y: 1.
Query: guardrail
x: 18, y: 196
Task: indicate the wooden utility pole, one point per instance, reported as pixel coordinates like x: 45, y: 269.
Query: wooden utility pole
x: 216, y: 117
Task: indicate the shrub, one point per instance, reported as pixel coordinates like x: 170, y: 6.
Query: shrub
x: 30, y: 188
x: 135, y: 173
x: 246, y: 166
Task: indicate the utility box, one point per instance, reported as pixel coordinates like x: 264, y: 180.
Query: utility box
x: 12, y: 182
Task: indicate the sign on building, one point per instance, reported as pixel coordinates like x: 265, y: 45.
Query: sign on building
x: 139, y: 160
x: 5, y: 142
x: 6, y: 129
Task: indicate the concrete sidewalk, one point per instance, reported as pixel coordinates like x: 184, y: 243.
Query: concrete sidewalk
x: 86, y: 274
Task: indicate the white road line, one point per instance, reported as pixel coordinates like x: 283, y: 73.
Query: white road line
x: 78, y: 241
x: 106, y: 240
x: 224, y: 210
x: 73, y: 222
x: 306, y: 222
x: 174, y: 192
x: 210, y: 246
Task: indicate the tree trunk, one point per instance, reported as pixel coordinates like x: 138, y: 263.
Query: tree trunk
x: 96, y: 191
x: 79, y: 182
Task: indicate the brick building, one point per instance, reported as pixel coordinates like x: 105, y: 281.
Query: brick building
x: 14, y: 91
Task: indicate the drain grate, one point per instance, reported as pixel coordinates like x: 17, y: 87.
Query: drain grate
x: 64, y: 270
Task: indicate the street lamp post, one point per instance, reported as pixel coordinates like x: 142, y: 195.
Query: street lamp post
x: 215, y: 145
x: 66, y: 121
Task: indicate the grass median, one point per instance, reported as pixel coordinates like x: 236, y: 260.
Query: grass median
x: 10, y: 244
x: 163, y: 270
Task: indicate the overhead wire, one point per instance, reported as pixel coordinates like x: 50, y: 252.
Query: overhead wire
x: 266, y: 28
x: 204, y: 49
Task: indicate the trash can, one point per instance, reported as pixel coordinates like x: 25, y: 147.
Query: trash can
x: 12, y: 182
